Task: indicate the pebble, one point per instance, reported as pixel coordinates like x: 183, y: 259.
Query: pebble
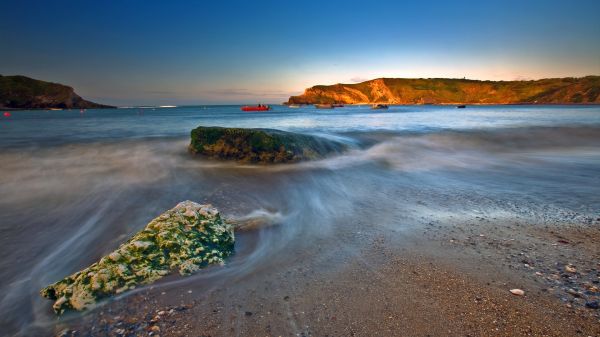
x: 570, y: 269
x: 517, y: 292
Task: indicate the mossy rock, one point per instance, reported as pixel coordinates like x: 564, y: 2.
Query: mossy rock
x: 186, y: 238
x: 259, y: 145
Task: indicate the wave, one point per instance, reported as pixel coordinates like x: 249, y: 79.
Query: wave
x: 65, y: 206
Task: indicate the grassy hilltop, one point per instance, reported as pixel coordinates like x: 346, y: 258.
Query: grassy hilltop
x: 584, y: 90
x: 20, y: 92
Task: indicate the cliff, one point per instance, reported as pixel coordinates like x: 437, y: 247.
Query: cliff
x: 20, y: 92
x: 584, y: 90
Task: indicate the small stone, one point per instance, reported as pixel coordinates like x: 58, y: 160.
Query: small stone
x: 570, y: 269
x: 517, y: 292
x: 592, y: 305
x: 573, y: 292
x: 155, y: 328
x: 248, y: 313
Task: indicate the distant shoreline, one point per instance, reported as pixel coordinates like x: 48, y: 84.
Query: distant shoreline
x: 286, y: 104
x: 450, y: 91
x: 453, y: 104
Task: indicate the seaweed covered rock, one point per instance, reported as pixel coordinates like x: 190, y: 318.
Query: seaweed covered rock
x: 259, y: 145
x: 185, y: 238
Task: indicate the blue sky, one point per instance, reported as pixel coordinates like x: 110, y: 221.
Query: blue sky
x: 201, y: 52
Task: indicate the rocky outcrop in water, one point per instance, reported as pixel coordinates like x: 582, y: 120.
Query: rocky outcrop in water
x: 584, y: 90
x: 259, y: 145
x: 186, y: 238
x: 20, y: 92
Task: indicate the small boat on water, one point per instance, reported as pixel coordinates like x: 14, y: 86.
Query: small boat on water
x: 260, y: 107
x: 294, y: 106
x: 379, y: 106
x: 338, y: 105
x: 461, y: 106
x: 324, y: 106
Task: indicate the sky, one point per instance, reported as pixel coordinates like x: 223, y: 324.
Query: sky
x: 128, y: 52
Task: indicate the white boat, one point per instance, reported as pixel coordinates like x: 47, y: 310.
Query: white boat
x: 324, y: 106
x: 379, y: 106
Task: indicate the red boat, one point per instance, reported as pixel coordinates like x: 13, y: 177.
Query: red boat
x: 259, y: 107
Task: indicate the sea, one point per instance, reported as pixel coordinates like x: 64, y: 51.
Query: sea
x: 74, y: 184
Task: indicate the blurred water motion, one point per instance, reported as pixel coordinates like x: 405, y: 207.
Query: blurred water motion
x: 73, y: 188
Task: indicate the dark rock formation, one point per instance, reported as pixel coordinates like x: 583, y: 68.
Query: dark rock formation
x: 259, y: 145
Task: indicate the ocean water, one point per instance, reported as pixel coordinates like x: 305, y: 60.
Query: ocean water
x: 75, y: 184
x: 54, y: 127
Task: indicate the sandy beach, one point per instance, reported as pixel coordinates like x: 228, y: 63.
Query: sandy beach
x: 451, y: 280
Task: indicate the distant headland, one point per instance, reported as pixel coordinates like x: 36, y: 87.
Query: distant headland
x: 21, y: 92
x: 569, y: 90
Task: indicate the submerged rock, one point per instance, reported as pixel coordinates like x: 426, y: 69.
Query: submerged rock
x: 259, y: 145
x: 185, y: 238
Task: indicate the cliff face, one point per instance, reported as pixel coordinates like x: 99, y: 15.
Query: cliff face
x: 20, y: 92
x: 456, y: 91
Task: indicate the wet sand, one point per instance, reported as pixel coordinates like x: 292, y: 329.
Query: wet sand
x: 447, y: 281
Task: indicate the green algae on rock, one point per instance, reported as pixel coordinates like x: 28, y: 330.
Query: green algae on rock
x: 259, y: 145
x: 188, y: 237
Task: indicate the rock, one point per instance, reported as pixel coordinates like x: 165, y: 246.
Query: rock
x: 186, y: 238
x: 517, y: 292
x: 573, y: 292
x: 570, y: 269
x: 592, y: 304
x: 259, y: 145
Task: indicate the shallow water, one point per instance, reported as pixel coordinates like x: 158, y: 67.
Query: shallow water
x: 75, y: 184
